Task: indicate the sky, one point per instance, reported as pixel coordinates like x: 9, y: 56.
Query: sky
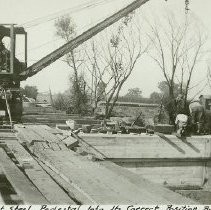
x: 34, y: 16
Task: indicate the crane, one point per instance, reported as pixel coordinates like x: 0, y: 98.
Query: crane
x: 12, y: 72
x: 58, y: 53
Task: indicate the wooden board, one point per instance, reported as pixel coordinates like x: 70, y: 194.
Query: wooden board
x: 40, y: 133
x: 74, y: 193
x: 28, y: 135
x: 1, y: 199
x: 183, y: 175
x: 52, y: 192
x: 145, y: 146
x: 99, y: 183
x: 148, y: 186
x: 24, y: 188
x: 208, y: 177
x: 43, y: 133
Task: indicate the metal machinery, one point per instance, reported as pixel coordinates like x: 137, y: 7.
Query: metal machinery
x: 17, y: 71
x: 10, y: 68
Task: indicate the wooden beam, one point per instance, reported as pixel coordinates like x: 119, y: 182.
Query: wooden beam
x: 23, y: 187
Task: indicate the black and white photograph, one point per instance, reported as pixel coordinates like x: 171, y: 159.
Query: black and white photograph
x: 105, y: 102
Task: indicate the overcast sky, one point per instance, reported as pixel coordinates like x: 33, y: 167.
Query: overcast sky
x: 42, y: 40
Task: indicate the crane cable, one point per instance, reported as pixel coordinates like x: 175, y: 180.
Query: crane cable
x: 72, y: 10
x: 59, y: 39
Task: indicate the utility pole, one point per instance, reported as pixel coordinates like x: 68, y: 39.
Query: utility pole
x: 51, y: 98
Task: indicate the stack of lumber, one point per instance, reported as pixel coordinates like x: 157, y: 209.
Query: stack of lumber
x: 12, y: 155
x: 52, y: 119
x: 87, y: 181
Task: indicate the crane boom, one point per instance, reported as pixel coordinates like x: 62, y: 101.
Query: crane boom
x: 69, y: 46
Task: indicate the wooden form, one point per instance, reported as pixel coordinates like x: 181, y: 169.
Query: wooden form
x: 166, y: 159
x: 92, y: 182
x: 145, y: 146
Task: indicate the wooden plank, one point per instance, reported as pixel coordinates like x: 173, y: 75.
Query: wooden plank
x: 51, y: 130
x: 183, y: 175
x: 74, y: 193
x: 45, y: 134
x: 63, y: 147
x: 54, y: 146
x: 52, y: 192
x: 1, y: 198
x: 70, y: 142
x: 23, y: 187
x: 208, y: 176
x: 96, y: 182
x: 143, y: 146
x: 28, y: 135
x: 20, y: 153
x: 149, y: 187
x: 42, y: 133
x: 45, y: 145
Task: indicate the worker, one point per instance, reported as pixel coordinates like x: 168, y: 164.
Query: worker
x: 181, y: 120
x: 4, y: 58
x: 197, y: 113
x: 181, y: 123
x: 180, y: 105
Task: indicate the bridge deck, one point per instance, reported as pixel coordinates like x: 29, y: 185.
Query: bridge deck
x: 74, y: 178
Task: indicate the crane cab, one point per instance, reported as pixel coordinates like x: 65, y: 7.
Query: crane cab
x: 10, y: 67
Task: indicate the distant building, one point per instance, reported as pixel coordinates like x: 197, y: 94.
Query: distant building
x: 132, y: 109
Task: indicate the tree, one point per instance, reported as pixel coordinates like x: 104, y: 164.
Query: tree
x: 30, y: 91
x: 155, y: 97
x: 134, y: 93
x: 66, y: 29
x: 178, y: 47
x: 164, y: 88
x: 112, y: 62
x: 61, y: 102
x: 78, y: 89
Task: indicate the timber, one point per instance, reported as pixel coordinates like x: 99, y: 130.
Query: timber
x: 21, y: 184
x: 51, y: 191
x: 91, y: 181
